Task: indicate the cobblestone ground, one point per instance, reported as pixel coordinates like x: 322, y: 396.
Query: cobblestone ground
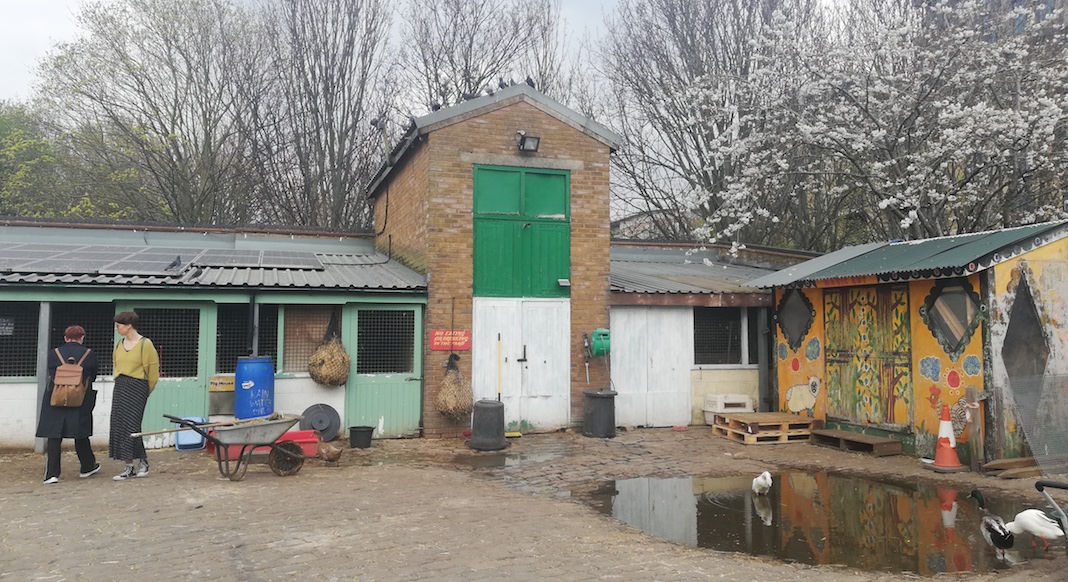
x: 412, y: 510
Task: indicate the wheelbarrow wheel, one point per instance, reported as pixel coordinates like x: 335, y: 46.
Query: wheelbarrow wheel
x: 286, y: 458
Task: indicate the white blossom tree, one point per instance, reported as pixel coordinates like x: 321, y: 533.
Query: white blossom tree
x: 920, y: 120
x: 682, y: 97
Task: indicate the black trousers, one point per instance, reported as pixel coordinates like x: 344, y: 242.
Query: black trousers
x: 52, y: 454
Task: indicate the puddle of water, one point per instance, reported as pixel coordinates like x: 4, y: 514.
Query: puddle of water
x: 496, y: 460
x: 821, y: 518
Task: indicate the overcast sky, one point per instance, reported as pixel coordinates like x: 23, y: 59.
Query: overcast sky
x: 28, y: 28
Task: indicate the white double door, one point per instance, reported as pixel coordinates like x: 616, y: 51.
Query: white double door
x: 521, y: 350
x: 652, y: 353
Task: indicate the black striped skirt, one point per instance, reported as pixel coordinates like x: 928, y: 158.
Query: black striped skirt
x: 127, y: 409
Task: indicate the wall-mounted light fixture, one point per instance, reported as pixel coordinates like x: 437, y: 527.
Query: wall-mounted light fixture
x: 526, y: 143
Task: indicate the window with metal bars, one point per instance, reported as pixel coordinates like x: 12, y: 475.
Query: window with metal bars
x: 176, y: 335
x: 719, y: 333
x: 18, y: 338
x: 385, y: 341
x: 96, y: 318
x: 232, y: 335
x: 305, y: 329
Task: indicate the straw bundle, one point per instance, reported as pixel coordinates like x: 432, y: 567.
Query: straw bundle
x: 329, y: 364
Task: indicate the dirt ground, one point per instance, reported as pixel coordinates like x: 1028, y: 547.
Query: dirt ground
x: 429, y: 509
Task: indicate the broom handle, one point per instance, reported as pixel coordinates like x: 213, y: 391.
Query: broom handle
x: 498, y: 367
x: 165, y: 431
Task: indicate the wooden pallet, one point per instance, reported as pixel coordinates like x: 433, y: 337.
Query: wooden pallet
x: 856, y: 442
x: 762, y: 428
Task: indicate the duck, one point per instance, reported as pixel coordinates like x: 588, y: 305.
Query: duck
x: 993, y: 528
x: 1036, y: 523
x: 762, y: 483
x: 326, y: 451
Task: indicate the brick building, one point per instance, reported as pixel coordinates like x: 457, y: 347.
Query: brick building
x: 502, y: 202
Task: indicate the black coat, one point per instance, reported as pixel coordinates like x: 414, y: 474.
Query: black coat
x: 63, y: 422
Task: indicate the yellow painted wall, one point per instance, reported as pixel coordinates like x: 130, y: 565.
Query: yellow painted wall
x: 1046, y: 271
x: 704, y: 382
x: 937, y: 379
x: 797, y: 368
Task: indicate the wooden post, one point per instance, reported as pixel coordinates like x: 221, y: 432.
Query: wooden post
x: 975, y: 429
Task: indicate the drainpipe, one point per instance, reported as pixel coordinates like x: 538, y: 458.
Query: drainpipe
x: 44, y: 320
x: 763, y: 387
x: 253, y: 325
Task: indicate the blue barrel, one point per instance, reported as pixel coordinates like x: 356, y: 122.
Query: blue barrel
x: 253, y: 387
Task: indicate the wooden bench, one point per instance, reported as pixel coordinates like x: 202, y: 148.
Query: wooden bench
x: 856, y: 442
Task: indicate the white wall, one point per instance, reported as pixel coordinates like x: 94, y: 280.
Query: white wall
x: 722, y: 381
x: 18, y: 410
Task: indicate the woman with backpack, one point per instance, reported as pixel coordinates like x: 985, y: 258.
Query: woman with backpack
x: 69, y: 422
x: 136, y: 369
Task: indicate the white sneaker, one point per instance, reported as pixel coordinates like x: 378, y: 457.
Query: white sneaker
x: 142, y: 468
x: 95, y: 470
x: 127, y: 473
x: 51, y: 481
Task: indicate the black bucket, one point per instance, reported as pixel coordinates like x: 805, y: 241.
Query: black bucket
x: 360, y: 437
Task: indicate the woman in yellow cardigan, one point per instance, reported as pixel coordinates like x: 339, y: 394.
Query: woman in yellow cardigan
x: 136, y: 373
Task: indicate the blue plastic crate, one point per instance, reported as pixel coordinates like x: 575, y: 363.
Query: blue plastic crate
x: 189, y: 440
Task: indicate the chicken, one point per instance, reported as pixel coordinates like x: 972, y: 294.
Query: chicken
x: 762, y: 483
x: 326, y: 451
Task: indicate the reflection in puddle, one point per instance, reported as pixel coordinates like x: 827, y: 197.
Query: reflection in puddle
x: 492, y: 460
x: 819, y: 518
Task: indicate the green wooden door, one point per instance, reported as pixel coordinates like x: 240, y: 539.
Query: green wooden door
x: 183, y: 334
x: 522, y: 232
x: 385, y: 390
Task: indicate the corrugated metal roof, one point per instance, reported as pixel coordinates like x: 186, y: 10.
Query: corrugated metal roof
x: 141, y: 263
x: 943, y: 256
x: 669, y: 271
x: 804, y: 270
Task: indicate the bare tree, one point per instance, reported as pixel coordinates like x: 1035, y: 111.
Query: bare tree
x: 312, y: 108
x: 460, y: 49
x: 148, y: 89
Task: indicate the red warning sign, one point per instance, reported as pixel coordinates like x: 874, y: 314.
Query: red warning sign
x: 443, y: 340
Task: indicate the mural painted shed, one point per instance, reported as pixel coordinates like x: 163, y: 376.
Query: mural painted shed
x: 877, y: 338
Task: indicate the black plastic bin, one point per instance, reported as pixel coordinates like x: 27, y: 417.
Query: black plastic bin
x: 599, y: 414
x: 487, y: 426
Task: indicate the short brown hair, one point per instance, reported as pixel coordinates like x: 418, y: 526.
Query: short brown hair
x: 127, y: 318
x: 74, y: 332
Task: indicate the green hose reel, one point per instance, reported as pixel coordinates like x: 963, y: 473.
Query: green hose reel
x: 600, y: 342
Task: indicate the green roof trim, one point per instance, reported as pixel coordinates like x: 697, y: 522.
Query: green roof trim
x: 923, y: 259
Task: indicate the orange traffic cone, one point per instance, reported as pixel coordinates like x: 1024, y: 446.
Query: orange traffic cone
x: 947, y: 499
x: 946, y: 460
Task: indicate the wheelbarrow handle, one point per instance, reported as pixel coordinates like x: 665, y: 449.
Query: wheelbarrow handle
x: 1040, y: 485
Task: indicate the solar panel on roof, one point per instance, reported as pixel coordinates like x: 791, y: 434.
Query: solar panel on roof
x: 66, y: 266
x: 88, y: 256
x: 21, y: 254
x: 290, y: 260
x: 140, y: 267
x: 229, y: 258
x: 47, y: 247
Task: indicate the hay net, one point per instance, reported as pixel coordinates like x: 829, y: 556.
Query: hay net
x: 455, y: 398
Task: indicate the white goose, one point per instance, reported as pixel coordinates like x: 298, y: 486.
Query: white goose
x: 1036, y: 523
